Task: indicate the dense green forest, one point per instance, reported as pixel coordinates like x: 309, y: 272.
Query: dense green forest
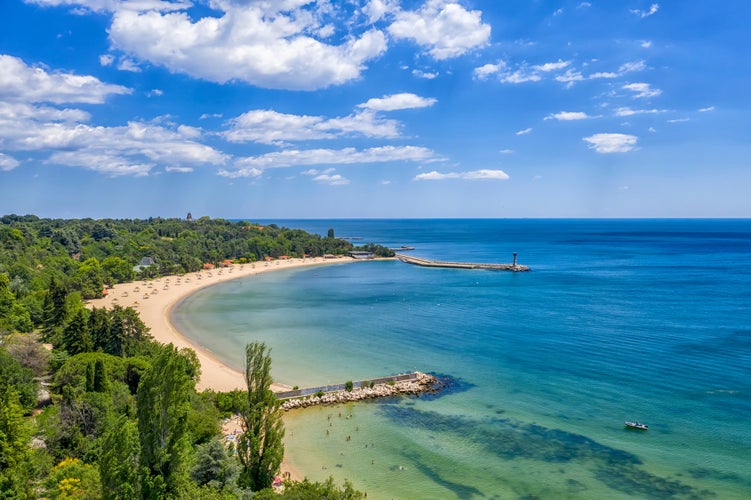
x: 90, y: 405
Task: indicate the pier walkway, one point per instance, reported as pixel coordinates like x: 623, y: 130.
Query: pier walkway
x: 418, y: 261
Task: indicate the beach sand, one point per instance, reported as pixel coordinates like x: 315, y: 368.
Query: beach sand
x: 154, y: 299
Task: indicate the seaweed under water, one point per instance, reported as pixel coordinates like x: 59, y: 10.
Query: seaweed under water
x: 510, y: 439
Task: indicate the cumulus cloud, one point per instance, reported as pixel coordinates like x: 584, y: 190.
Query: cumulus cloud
x: 525, y: 131
x: 705, y: 110
x: 328, y: 176
x: 272, y: 127
x: 254, y: 165
x: 268, y: 44
x: 377, y: 9
x: 398, y: 101
x: 487, y: 70
x: 8, y: 162
x: 642, y: 90
x: 484, y: 174
x: 646, y: 13
x: 552, y: 66
x: 21, y: 82
x: 568, y: 116
x: 611, y: 143
x: 64, y: 136
x: 446, y: 28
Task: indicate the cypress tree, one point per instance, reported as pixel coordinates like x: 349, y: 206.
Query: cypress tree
x: 100, y: 383
x: 118, y: 464
x: 260, y: 447
x: 163, y: 402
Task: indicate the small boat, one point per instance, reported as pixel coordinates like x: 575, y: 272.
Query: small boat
x: 636, y: 425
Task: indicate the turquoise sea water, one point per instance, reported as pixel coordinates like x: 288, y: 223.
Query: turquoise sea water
x: 618, y: 319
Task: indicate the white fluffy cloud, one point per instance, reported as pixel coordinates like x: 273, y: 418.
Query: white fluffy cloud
x: 272, y: 127
x: 611, y: 143
x: 268, y: 44
x: 554, y: 66
x: 21, y: 82
x: 254, y: 165
x: 642, y: 90
x: 377, y: 9
x: 446, y: 28
x: 568, y: 116
x: 64, y: 136
x: 8, y: 162
x: 484, y: 174
x: 524, y: 131
x: 328, y: 176
x: 398, y: 101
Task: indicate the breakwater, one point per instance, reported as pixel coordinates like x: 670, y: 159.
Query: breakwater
x: 408, y: 383
x: 418, y: 261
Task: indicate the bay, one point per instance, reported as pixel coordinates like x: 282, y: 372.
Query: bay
x: 618, y: 319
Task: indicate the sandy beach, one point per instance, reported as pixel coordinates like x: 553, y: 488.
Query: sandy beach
x: 153, y: 299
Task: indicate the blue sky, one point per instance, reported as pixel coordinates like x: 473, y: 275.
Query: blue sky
x: 375, y: 108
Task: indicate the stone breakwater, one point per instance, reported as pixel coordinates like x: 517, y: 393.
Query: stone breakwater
x: 418, y: 383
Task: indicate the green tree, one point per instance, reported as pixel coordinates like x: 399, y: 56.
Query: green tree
x: 101, y: 384
x: 76, y: 337
x: 162, y: 407
x: 260, y: 447
x: 73, y: 479
x: 20, y: 380
x: 99, y: 326
x: 14, y: 447
x: 90, y: 278
x: 214, y: 467
x: 307, y: 490
x: 118, y: 463
x: 6, y: 304
x: 55, y: 309
x: 117, y: 270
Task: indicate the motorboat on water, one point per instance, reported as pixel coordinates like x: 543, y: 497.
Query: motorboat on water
x: 636, y: 425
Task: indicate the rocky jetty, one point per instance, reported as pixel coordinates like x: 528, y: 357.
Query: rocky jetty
x: 419, y: 383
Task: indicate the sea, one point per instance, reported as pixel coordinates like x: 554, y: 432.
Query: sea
x: 639, y: 320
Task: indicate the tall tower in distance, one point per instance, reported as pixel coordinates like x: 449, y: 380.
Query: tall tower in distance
x: 189, y: 218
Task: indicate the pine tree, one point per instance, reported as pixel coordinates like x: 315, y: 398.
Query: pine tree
x: 55, y: 310
x: 260, y: 447
x: 76, y: 338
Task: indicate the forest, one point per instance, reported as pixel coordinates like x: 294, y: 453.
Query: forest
x: 91, y: 406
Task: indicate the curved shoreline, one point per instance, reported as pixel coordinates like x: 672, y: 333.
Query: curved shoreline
x: 154, y: 300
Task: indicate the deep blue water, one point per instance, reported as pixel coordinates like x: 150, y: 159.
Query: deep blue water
x: 618, y: 319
